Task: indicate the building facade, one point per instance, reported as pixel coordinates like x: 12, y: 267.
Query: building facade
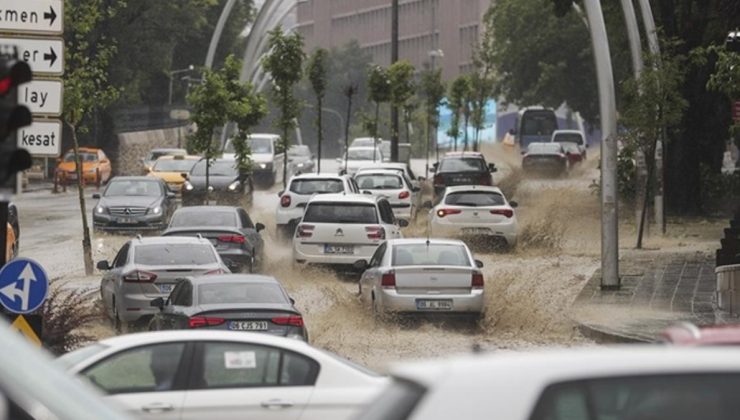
x: 426, y: 27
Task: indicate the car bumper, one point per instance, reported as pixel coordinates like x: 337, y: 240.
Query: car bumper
x: 508, y: 231
x: 312, y: 253
x: 237, y: 259
x: 111, y: 223
x: 391, y: 301
x: 136, y: 306
x: 285, y: 216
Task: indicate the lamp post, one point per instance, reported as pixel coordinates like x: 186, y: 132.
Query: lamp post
x: 172, y: 73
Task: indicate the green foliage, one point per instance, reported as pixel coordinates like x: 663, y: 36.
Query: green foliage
x: 726, y: 76
x: 317, y: 67
x: 401, y: 76
x: 432, y: 89
x: 458, y: 101
x: 718, y: 188
x: 379, y: 91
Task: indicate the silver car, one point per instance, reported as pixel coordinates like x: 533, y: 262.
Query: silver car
x: 423, y: 275
x: 148, y: 268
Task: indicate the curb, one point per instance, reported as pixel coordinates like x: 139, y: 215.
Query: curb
x: 606, y: 336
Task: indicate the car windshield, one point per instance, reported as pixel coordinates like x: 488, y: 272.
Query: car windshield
x: 221, y: 293
x: 544, y: 148
x: 316, y: 186
x: 431, y: 254
x: 362, y: 154
x: 462, y: 165
x: 568, y: 138
x: 85, y: 157
x: 156, y: 154
x: 260, y: 145
x: 474, y: 199
x: 340, y: 213
x: 299, y: 151
x: 174, y: 254
x: 74, y: 357
x: 218, y: 168
x: 189, y: 218
x: 379, y: 182
x: 125, y: 187
x: 362, y: 142
x: 174, y: 165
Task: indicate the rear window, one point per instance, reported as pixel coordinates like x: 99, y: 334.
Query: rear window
x: 340, y: 213
x: 544, y: 148
x: 379, y: 182
x: 474, y: 199
x: 174, y: 254
x: 432, y: 254
x: 316, y: 186
x: 224, y: 293
x: 174, y: 165
x: 569, y: 138
x: 217, y: 168
x: 203, y: 218
x: 462, y: 165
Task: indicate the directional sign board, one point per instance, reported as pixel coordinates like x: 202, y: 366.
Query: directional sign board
x: 42, y: 138
x: 42, y: 97
x: 23, y: 286
x: 42, y: 17
x: 44, y: 55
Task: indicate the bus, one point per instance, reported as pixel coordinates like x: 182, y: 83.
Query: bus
x: 535, y: 125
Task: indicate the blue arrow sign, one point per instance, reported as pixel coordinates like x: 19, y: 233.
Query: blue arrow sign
x: 23, y: 286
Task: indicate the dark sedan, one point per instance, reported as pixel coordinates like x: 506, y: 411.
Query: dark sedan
x: 226, y: 184
x: 236, y: 302
x: 230, y: 230
x: 545, y: 158
x: 462, y: 168
x: 300, y: 159
x: 133, y: 203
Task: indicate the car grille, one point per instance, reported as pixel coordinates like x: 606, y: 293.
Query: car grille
x: 127, y: 211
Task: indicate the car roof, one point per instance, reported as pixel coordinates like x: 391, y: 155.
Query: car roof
x: 262, y: 136
x: 135, y: 178
x: 379, y: 171
x: 168, y: 149
x: 206, y: 209
x: 234, y: 278
x: 567, y: 132
x: 152, y: 240
x: 384, y: 165
x: 324, y: 175
x: 458, y: 188
x: 345, y: 198
x: 462, y: 154
x: 179, y: 157
x: 84, y: 149
x: 690, y: 335
x: 202, y: 335
x: 413, y: 241
x: 364, y: 148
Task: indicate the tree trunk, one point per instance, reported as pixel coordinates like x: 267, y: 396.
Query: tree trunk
x: 86, y: 243
x: 465, y: 134
x: 346, y: 127
x: 208, y: 172
x: 285, y: 156
x: 320, y: 136
x: 429, y: 143
x: 375, y: 129
x: 650, y: 169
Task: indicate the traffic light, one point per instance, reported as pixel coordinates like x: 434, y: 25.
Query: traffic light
x: 13, y: 73
x: 733, y: 41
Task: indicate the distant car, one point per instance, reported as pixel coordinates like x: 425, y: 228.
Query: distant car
x: 545, y: 158
x: 573, y: 153
x: 267, y: 163
x: 572, y: 137
x: 300, y: 159
x: 230, y: 229
x: 423, y: 275
x: 462, y: 168
x: 233, y: 302
x: 395, y: 166
x: 133, y: 203
x: 155, y: 154
x: 222, y: 375
x: 340, y: 229
x: 687, y: 334
x: 171, y: 168
x: 226, y: 184
x: 385, y: 147
x: 300, y: 189
x: 631, y: 383
x: 404, y: 198
x: 148, y: 268
x: 365, y: 142
x: 357, y: 157
x: 14, y: 221
x: 95, y: 164
x: 475, y: 211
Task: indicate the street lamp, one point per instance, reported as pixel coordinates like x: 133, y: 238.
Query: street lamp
x: 170, y: 74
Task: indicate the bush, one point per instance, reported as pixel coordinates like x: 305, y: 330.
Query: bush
x: 63, y: 314
x: 718, y: 189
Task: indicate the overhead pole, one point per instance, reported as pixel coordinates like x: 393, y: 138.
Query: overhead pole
x: 216, y: 37
x: 394, y: 58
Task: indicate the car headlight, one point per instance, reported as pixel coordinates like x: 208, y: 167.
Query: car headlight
x: 235, y: 186
x: 157, y: 210
x: 99, y: 209
x: 300, y: 165
x: 188, y: 186
x: 263, y: 166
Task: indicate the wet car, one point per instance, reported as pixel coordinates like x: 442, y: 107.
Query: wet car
x: 300, y: 159
x: 170, y: 169
x: 226, y: 184
x: 462, y: 168
x: 96, y: 166
x: 155, y: 154
x: 545, y: 158
x: 133, y: 203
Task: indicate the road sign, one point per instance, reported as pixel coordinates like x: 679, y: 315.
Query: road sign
x: 44, y: 55
x: 736, y: 112
x: 43, y: 138
x: 42, y: 17
x: 42, y: 97
x: 23, y: 326
x: 23, y: 286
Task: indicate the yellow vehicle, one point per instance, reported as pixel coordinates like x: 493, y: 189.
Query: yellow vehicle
x: 10, y: 244
x: 170, y: 169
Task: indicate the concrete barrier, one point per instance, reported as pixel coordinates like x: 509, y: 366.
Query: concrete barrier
x: 728, y: 288
x: 134, y: 146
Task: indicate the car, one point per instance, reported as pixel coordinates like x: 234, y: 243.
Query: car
x: 340, y: 229
x: 231, y: 302
x: 230, y: 229
x: 545, y: 158
x: 170, y: 169
x: 157, y: 153
x: 267, y: 162
x: 365, y: 142
x: 462, y: 168
x: 571, y: 137
x: 148, y: 268
x: 357, y: 157
x: 404, y: 198
x: 477, y: 211
x: 96, y: 167
x: 133, y: 203
x: 573, y: 153
x: 300, y: 189
x: 423, y: 275
x: 197, y: 374
x: 14, y: 221
x: 11, y: 249
x: 227, y: 184
x: 300, y: 159
x: 395, y: 166
x: 687, y: 334
x: 632, y: 383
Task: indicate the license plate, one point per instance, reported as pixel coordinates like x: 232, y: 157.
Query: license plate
x: 248, y: 325
x: 126, y: 221
x: 165, y: 288
x: 339, y: 249
x: 476, y: 231
x: 434, y: 304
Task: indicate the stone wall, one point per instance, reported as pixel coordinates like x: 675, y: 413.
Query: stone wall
x: 134, y: 146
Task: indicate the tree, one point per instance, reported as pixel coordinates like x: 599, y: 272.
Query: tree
x: 317, y: 66
x: 726, y: 76
x: 87, y: 57
x: 401, y: 76
x: 379, y: 86
x: 284, y: 63
x: 457, y: 100
x: 482, y: 83
x: 433, y: 90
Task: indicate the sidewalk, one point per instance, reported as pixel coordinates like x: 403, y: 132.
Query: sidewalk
x: 658, y: 290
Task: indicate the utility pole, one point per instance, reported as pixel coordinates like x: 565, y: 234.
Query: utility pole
x: 608, y: 112
x: 394, y: 58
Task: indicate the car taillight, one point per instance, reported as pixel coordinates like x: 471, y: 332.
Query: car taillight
x: 285, y: 200
x: 214, y: 272
x: 404, y: 194
x: 477, y: 281
x: 375, y: 232
x: 204, y: 321
x: 388, y: 280
x: 237, y: 239
x: 438, y: 180
x: 296, y: 321
x: 304, y: 231
x: 139, y: 277
x: 447, y: 212
x: 503, y: 212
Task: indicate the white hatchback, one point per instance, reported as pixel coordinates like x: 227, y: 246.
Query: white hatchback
x: 405, y: 199
x: 344, y: 228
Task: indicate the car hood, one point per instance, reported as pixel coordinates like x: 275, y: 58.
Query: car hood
x: 214, y: 181
x: 130, y: 201
x: 262, y: 157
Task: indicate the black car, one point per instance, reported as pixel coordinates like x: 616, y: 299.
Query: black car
x: 133, y: 203
x: 230, y: 229
x: 545, y: 158
x: 462, y: 168
x: 300, y: 159
x: 226, y: 184
x: 236, y: 302
x: 15, y: 224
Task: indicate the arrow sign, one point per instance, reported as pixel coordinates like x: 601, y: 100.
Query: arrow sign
x: 44, y: 55
x: 42, y: 97
x: 43, y: 138
x: 23, y: 286
x: 41, y: 17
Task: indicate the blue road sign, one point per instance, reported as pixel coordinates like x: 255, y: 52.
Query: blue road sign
x: 23, y: 286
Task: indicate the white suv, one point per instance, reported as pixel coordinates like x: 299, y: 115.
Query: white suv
x: 344, y: 228
x: 300, y: 189
x: 405, y: 199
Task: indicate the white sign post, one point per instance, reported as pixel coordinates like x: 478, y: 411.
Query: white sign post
x: 42, y: 138
x: 44, y: 55
x: 42, y: 97
x: 41, y: 17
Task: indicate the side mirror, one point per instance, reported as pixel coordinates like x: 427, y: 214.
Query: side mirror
x: 103, y: 265
x: 184, y: 175
x: 434, y: 166
x: 367, y: 192
x: 421, y: 178
x: 360, y: 265
x: 96, y: 196
x: 492, y: 168
x: 479, y: 263
x: 512, y: 131
x: 259, y: 227
x: 513, y: 204
x: 427, y: 205
x: 171, y: 195
x: 292, y: 301
x: 157, y: 303
x: 280, y: 193
x: 403, y: 223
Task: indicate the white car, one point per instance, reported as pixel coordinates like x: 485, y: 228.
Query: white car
x: 423, y: 275
x: 365, y: 142
x: 267, y: 163
x: 344, y: 228
x: 405, y: 199
x: 300, y: 189
x: 629, y: 383
x: 405, y: 168
x: 475, y: 210
x: 571, y: 136
x: 195, y: 375
x: 357, y: 157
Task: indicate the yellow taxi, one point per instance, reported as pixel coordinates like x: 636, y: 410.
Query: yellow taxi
x: 170, y: 169
x: 10, y: 244
x: 94, y: 164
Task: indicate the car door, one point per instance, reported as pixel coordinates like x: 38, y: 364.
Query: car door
x: 146, y: 381
x: 174, y: 315
x: 236, y: 381
x: 388, y: 220
x: 372, y: 273
x: 251, y: 233
x: 109, y: 283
